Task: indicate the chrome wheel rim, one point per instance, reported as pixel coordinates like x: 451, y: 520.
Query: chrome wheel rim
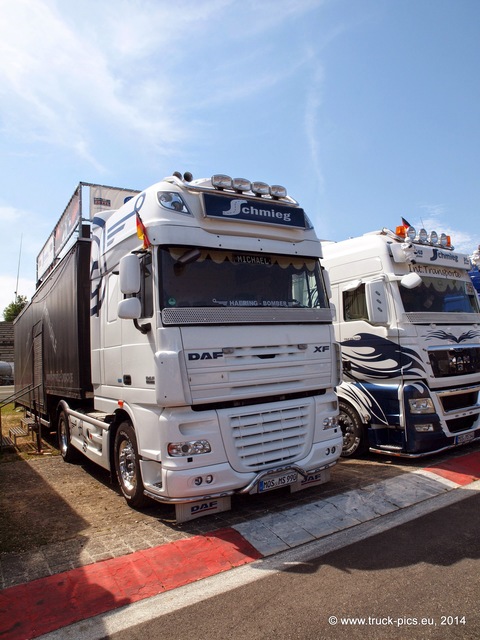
x: 126, y: 464
x: 63, y: 437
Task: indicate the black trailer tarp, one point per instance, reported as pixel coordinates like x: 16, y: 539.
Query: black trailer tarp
x: 52, y: 334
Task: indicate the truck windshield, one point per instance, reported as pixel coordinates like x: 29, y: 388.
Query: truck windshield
x: 441, y: 295
x: 212, y: 278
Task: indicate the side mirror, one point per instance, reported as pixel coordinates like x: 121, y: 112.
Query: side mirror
x: 129, y: 309
x: 352, y: 285
x: 333, y: 309
x: 411, y: 280
x: 130, y: 276
x: 328, y: 286
x: 376, y: 302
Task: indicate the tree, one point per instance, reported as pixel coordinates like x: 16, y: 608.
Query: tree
x: 13, y: 309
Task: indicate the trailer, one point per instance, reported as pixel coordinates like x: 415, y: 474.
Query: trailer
x: 183, y: 340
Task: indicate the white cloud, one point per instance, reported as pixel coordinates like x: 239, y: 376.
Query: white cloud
x: 436, y: 217
x: 68, y: 72
x: 313, y: 104
x: 57, y: 78
x: 9, y: 214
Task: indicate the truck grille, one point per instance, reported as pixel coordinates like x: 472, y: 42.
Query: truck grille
x: 457, y: 361
x: 270, y: 437
x: 461, y: 424
x: 258, y: 371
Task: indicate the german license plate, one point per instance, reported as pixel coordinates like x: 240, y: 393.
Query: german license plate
x: 464, y: 438
x: 277, y: 481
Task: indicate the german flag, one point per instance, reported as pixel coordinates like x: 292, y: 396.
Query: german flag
x: 142, y: 232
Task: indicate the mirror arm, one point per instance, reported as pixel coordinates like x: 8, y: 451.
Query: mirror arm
x: 143, y: 328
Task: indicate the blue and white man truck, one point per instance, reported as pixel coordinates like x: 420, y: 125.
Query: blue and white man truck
x: 475, y: 272
x: 184, y: 341
x: 408, y: 321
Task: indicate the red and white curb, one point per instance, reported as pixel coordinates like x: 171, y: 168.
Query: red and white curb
x: 47, y: 604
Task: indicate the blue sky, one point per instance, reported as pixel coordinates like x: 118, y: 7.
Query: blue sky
x: 366, y: 110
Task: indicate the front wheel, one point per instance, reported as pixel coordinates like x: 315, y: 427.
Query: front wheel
x: 354, y: 432
x: 127, y: 466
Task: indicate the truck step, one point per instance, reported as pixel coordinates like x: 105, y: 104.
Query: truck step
x: 18, y: 432
x: 28, y: 423
x: 7, y: 443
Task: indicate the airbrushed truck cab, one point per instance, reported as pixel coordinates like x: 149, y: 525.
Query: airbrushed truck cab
x: 213, y: 360
x: 408, y: 322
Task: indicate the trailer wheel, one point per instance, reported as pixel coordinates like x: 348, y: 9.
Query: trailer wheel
x: 354, y: 432
x: 67, y: 450
x: 127, y: 466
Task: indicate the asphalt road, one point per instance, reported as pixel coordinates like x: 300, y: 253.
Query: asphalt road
x: 416, y: 580
x: 6, y: 391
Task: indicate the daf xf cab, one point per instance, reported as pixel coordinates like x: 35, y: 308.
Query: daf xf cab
x: 408, y: 321
x: 184, y: 341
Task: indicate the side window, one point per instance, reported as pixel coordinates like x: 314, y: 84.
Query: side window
x: 112, y: 297
x: 146, y: 291
x: 355, y: 304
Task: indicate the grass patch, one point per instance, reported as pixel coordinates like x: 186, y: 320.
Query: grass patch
x: 26, y: 447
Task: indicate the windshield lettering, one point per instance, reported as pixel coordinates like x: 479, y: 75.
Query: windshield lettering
x: 233, y: 279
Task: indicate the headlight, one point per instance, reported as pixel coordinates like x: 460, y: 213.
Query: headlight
x: 330, y: 423
x: 192, y: 448
x: 421, y: 405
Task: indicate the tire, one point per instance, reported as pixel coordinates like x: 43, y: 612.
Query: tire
x: 127, y: 466
x: 355, y: 439
x: 67, y: 450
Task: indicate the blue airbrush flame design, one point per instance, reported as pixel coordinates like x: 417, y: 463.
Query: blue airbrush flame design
x: 440, y: 334
x: 373, y: 357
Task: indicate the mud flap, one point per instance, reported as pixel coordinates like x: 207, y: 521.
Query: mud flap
x: 191, y: 510
x: 312, y: 479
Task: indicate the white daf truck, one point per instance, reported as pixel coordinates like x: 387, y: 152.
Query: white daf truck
x: 185, y: 342
x: 408, y: 321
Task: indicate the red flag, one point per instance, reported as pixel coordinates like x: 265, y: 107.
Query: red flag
x: 142, y: 232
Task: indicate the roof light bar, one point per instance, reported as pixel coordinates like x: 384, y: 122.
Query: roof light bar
x: 261, y: 188
x: 242, y: 185
x: 423, y: 237
x: 445, y: 240
x: 221, y: 181
x: 411, y: 233
x: 278, y: 191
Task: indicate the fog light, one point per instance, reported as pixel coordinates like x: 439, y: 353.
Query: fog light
x: 424, y: 428
x: 209, y: 479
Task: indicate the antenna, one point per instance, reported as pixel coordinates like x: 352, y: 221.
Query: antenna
x: 18, y: 268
